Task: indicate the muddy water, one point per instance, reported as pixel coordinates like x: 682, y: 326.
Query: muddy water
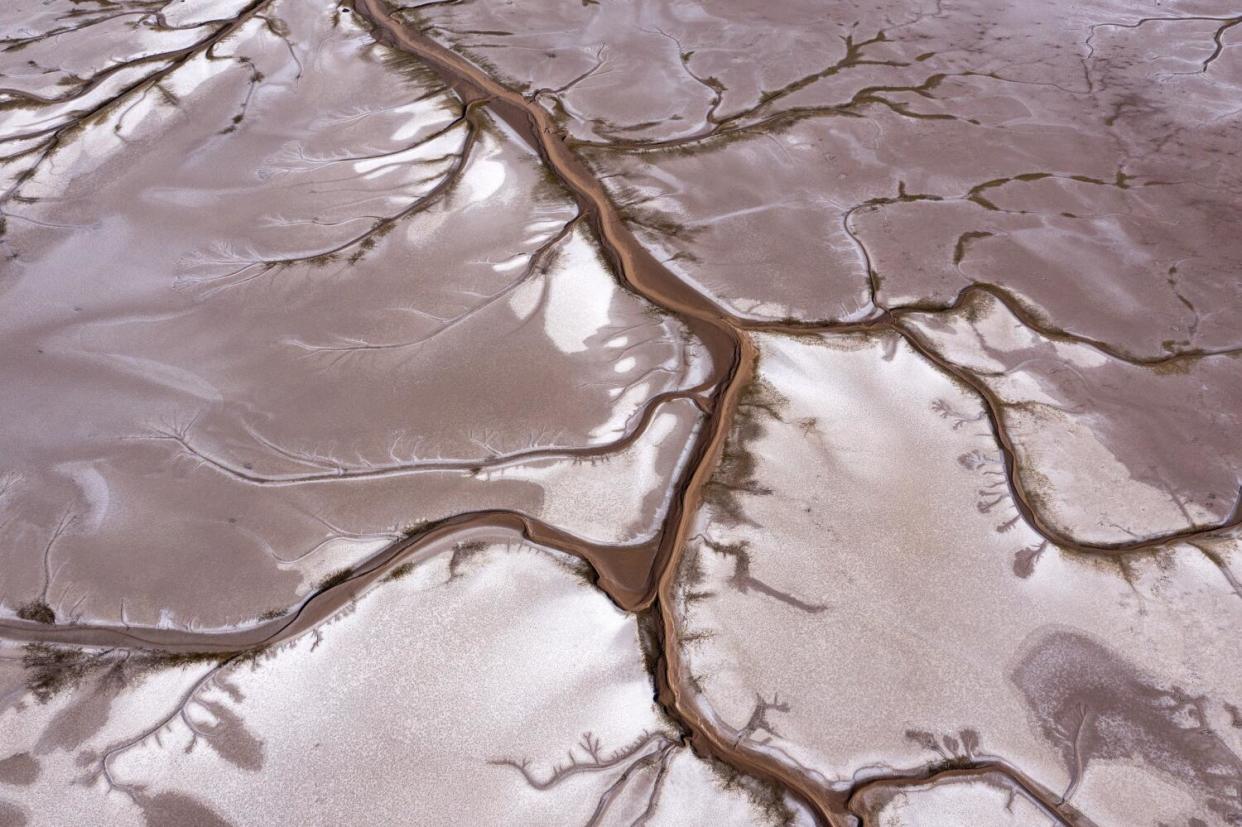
x: 657, y: 413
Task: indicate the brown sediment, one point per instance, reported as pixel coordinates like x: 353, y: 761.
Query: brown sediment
x: 732, y: 352
x: 621, y: 572
x: 1025, y: 500
x: 1050, y: 804
x: 724, y: 332
x: 889, y: 318
x: 640, y: 577
x: 832, y: 805
x: 176, y: 59
x: 734, y: 356
x: 696, y: 394
x: 630, y: 575
x: 753, y: 119
x: 444, y: 434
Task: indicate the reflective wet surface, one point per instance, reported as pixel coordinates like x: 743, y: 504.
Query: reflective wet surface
x: 620, y: 413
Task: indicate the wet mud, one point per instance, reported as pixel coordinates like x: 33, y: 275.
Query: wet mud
x: 659, y: 414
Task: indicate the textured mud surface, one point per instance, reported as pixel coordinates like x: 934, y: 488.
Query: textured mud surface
x: 620, y: 413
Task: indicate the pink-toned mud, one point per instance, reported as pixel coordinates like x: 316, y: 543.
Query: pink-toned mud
x: 620, y: 413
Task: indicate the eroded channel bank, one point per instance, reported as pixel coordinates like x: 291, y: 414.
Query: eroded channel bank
x: 637, y: 578
x: 734, y: 356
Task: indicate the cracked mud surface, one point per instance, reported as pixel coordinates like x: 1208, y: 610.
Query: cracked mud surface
x: 620, y: 413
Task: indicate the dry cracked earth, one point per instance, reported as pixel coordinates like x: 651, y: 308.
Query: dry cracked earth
x: 621, y: 412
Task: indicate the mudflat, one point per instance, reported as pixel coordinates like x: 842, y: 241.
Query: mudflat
x: 620, y: 413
